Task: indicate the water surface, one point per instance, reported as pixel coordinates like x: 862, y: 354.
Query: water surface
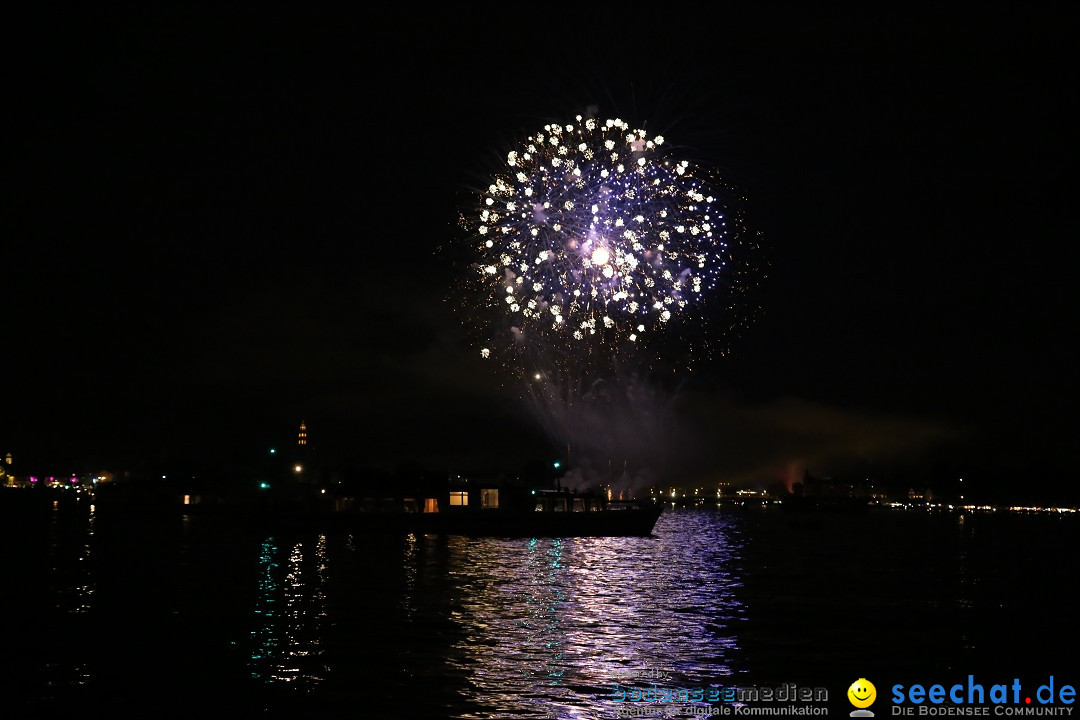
x: 167, y: 616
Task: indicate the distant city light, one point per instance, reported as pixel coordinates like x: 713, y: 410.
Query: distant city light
x: 298, y: 468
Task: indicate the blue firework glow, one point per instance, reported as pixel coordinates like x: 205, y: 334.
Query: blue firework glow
x: 594, y: 242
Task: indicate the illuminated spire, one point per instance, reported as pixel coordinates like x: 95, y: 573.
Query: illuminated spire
x: 301, y: 438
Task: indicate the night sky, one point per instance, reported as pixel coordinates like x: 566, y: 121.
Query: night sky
x: 226, y: 220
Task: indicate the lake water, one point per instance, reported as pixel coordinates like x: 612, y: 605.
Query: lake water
x: 181, y: 617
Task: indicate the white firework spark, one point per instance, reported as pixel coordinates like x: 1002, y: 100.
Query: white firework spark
x: 593, y: 240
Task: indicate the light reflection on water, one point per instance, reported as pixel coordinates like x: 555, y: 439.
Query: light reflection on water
x: 538, y: 627
x: 290, y: 615
x: 551, y: 624
x: 72, y: 584
x: 472, y: 627
x: 72, y: 579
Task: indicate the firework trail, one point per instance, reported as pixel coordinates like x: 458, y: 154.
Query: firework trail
x: 594, y: 250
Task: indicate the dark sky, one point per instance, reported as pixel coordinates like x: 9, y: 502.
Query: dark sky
x: 226, y: 219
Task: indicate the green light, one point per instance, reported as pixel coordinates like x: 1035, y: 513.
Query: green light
x: 533, y: 492
x: 264, y: 486
x: 273, y: 451
x: 558, y: 464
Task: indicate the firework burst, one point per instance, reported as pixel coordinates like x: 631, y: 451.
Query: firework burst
x: 592, y: 242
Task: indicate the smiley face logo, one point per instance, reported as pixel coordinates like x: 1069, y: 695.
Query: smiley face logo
x: 862, y: 693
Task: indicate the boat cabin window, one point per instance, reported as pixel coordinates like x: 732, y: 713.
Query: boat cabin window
x: 431, y: 505
x: 559, y: 503
x: 489, y: 498
x: 459, y: 498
